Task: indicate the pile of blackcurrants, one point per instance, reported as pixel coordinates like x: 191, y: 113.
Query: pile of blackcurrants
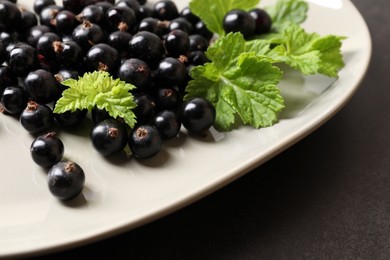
x: 150, y: 46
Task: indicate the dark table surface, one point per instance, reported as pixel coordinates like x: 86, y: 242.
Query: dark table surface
x: 327, y: 197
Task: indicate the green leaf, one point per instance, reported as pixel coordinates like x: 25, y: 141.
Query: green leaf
x: 287, y: 12
x: 101, y: 90
x: 308, y: 52
x: 240, y: 83
x: 224, y: 53
x: 212, y: 12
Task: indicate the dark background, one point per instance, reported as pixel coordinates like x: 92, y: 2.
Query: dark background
x: 327, y: 197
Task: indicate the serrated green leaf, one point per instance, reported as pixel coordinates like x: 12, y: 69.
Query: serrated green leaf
x: 245, y: 88
x: 309, y: 52
x: 98, y: 89
x: 287, y: 12
x: 212, y: 12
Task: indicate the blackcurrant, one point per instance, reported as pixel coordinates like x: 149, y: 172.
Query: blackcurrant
x: 102, y: 57
x: 145, y: 141
x: 35, y: 32
x: 41, y: 86
x: 147, y: 46
x: 168, y: 124
x: 171, y: 71
x: 22, y: 59
x: 239, y: 21
x: 14, y: 100
x: 120, y: 41
x: 47, y: 149
x: 65, y: 22
x: 109, y: 137
x: 197, y: 115
x: 121, y: 18
x: 136, y: 72
x: 145, y: 109
x: 69, y: 54
x: 177, y: 43
x: 165, y: 10
x: 88, y: 34
x: 66, y: 180
x: 40, y: 4
x: 262, y: 19
x: 10, y: 16
x: 36, y: 118
x: 92, y: 13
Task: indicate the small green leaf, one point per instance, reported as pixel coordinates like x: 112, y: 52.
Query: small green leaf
x: 308, y: 52
x: 98, y: 89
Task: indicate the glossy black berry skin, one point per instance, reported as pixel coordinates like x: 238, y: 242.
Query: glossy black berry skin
x: 10, y: 16
x: 198, y: 42
x: 35, y: 32
x: 147, y: 46
x: 14, y: 100
x: 23, y: 59
x: 200, y: 28
x: 120, y: 41
x: 3, y: 52
x: 132, y: 4
x: 177, y: 43
x: 69, y: 54
x: 145, y: 141
x: 239, y: 21
x: 262, y: 19
x: 181, y: 23
x: 36, y: 118
x: 165, y: 10
x: 7, y: 78
x: 197, y: 115
x: 48, y: 14
x: 40, y: 4
x: 65, y: 22
x: 47, y: 149
x: 45, y: 44
x: 167, y: 98
x: 145, y: 109
x: 92, y: 13
x: 189, y: 16
x: 41, y: 86
x: 66, y: 180
x: 198, y: 58
x: 168, y: 124
x: 27, y: 21
x: 136, y: 72
x: 109, y: 137
x: 171, y: 72
x: 102, y: 57
x: 121, y: 18
x: 153, y: 25
x: 88, y: 34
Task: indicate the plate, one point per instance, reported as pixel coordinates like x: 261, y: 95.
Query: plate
x: 121, y: 193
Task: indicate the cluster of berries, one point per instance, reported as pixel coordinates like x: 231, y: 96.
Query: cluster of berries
x: 152, y: 46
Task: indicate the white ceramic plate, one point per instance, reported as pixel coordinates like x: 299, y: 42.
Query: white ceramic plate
x: 121, y: 194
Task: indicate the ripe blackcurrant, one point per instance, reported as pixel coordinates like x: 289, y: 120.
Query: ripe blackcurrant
x: 198, y: 115
x: 66, y: 180
x: 145, y: 141
x: 109, y: 137
x: 47, y: 149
